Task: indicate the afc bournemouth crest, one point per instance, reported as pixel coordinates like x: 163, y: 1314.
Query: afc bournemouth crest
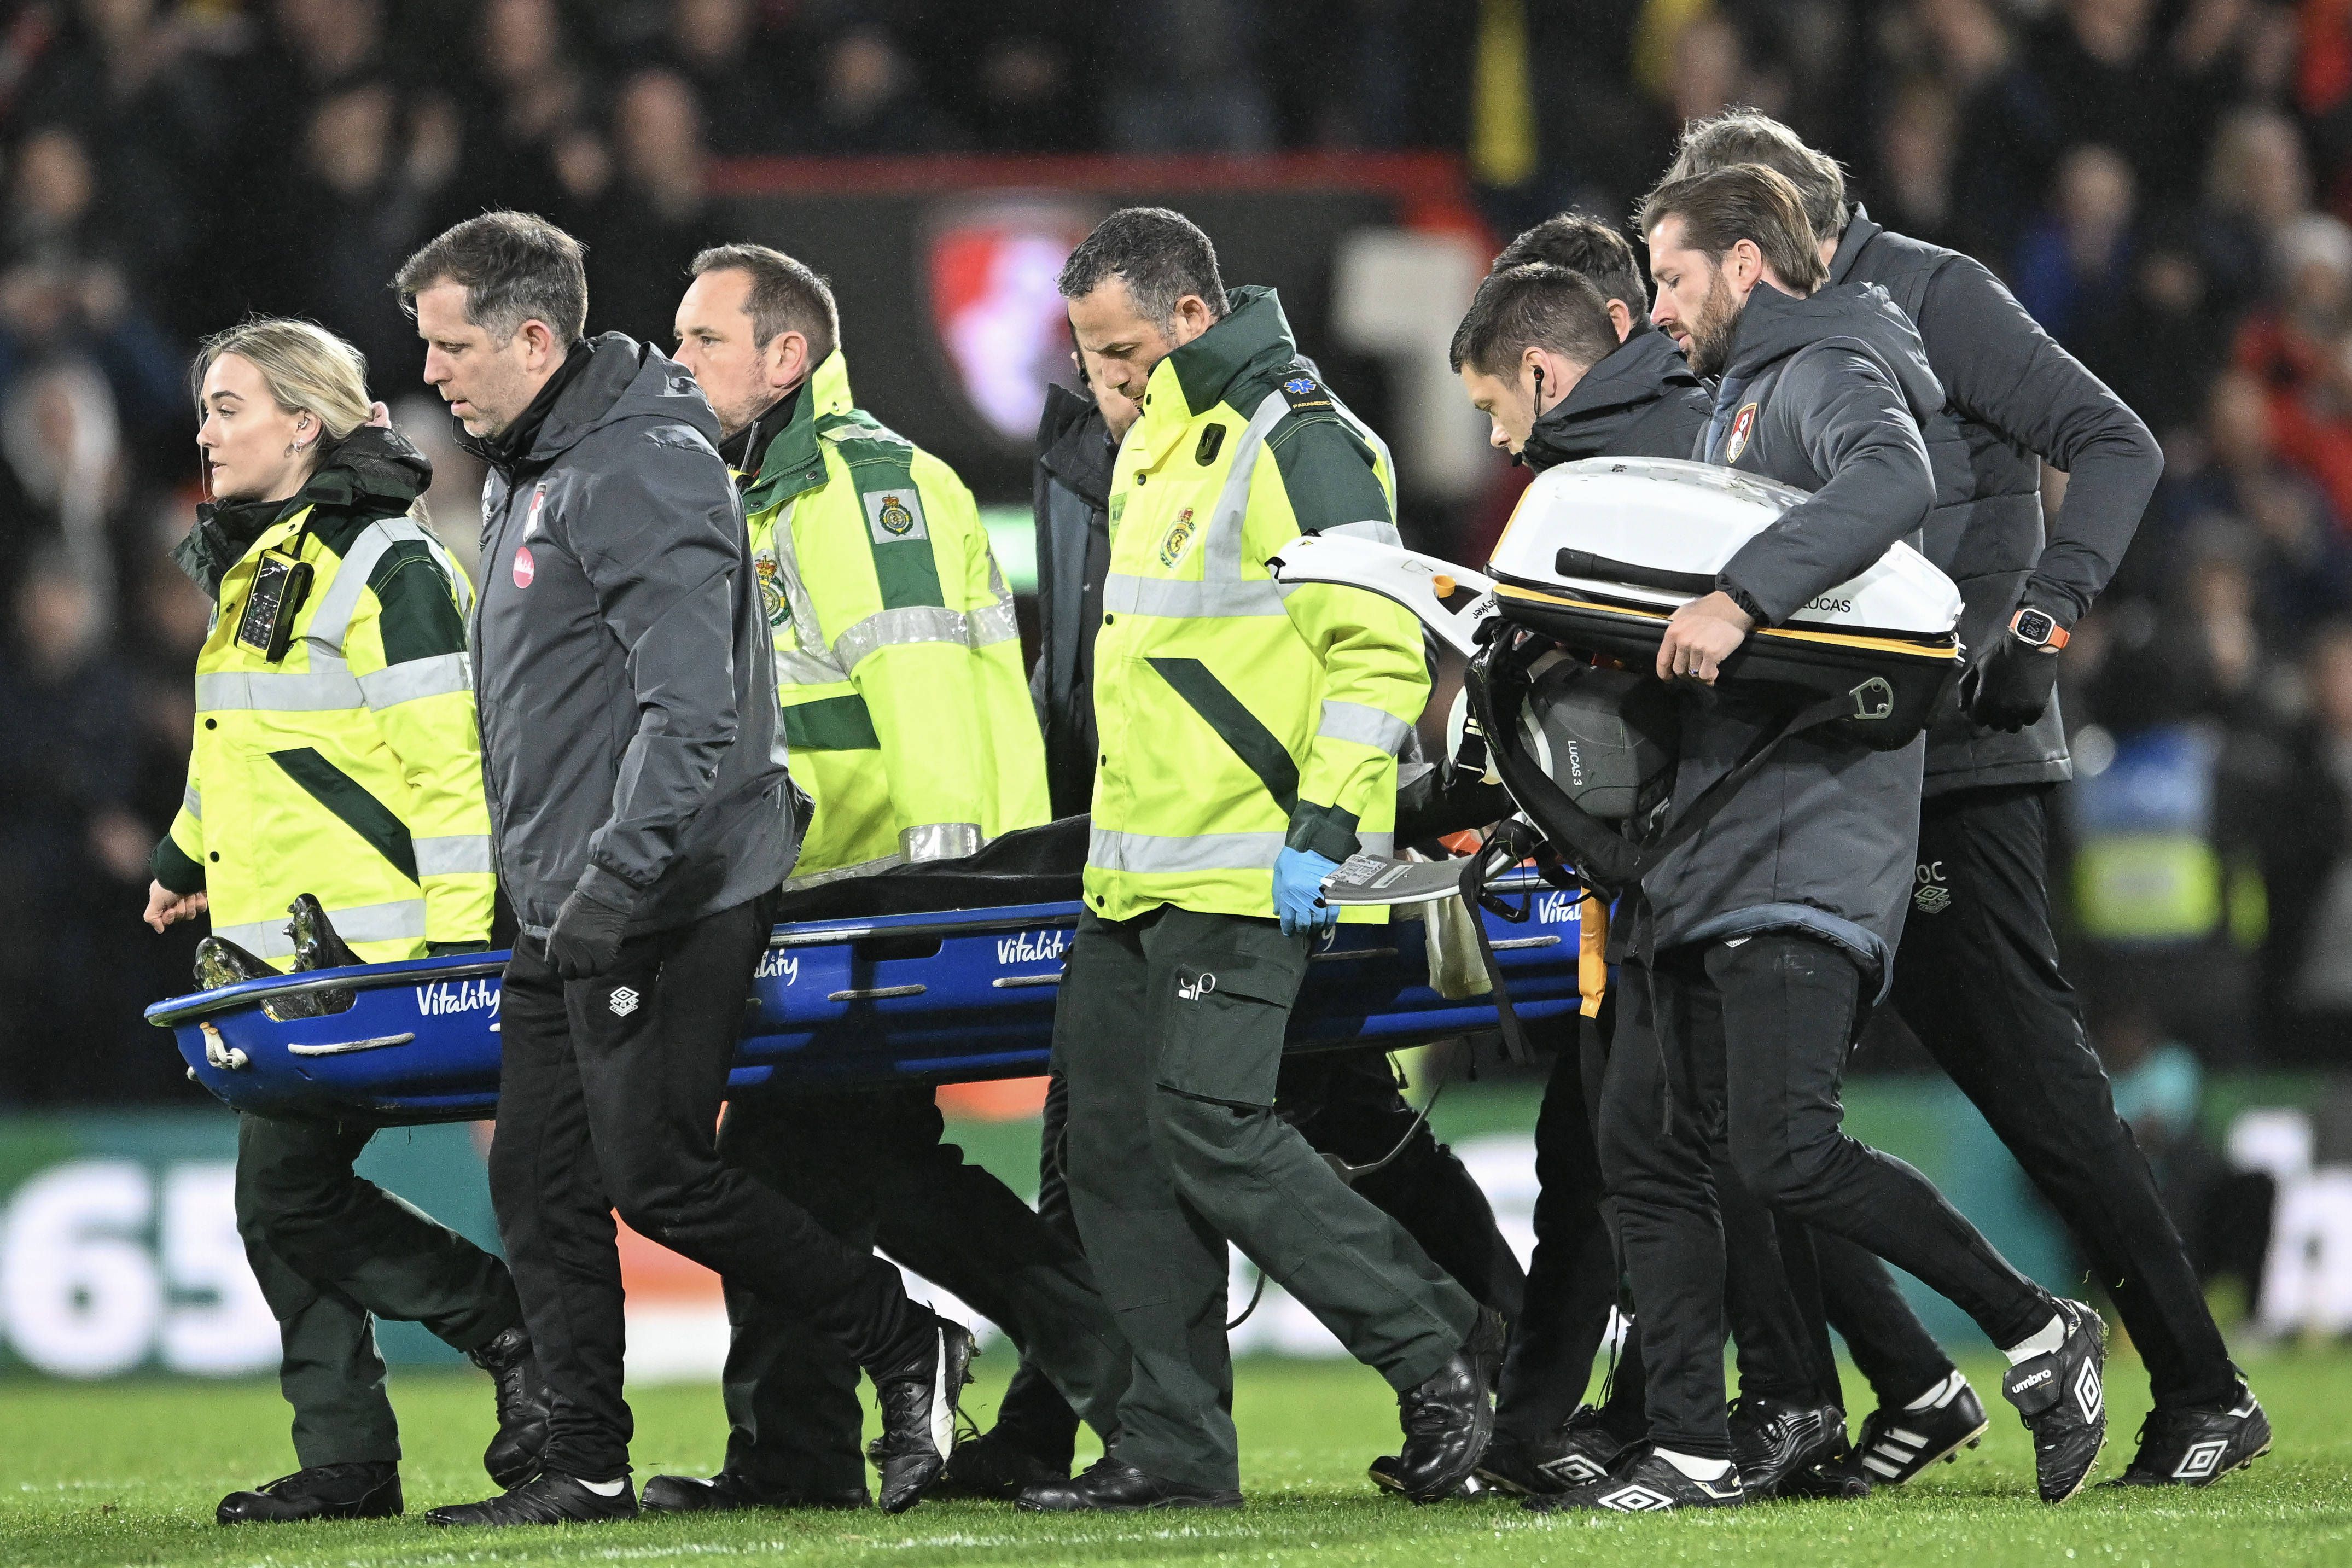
x: 772, y: 594
x: 1171, y: 549
x: 895, y: 514
x: 1743, y: 425
x: 1002, y: 323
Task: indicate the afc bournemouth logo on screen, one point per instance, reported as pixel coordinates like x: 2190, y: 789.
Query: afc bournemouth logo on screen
x: 1743, y: 425
x: 1003, y: 324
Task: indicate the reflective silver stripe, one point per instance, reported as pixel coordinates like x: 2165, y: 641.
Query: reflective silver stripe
x: 192, y: 803
x: 453, y: 855
x: 811, y: 664
x: 1110, y: 850
x: 1364, y: 723
x: 939, y: 841
x: 995, y: 623
x: 414, y: 678
x: 319, y: 691
x: 1126, y: 594
x: 1379, y: 531
x: 403, y: 920
x: 842, y: 874
x: 1382, y: 844
x: 898, y: 628
x: 1221, y: 552
x: 333, y: 619
x: 794, y: 668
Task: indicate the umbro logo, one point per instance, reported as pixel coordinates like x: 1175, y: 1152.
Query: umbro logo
x: 2201, y: 1459
x: 2088, y: 1393
x: 1577, y: 1470
x: 624, y: 1001
x: 1635, y: 1498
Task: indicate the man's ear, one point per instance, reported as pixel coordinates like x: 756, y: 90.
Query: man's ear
x: 788, y: 360
x: 1621, y: 316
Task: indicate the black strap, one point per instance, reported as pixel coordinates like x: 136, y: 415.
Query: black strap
x: 1510, y: 841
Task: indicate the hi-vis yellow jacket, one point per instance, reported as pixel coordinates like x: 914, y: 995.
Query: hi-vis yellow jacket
x: 1237, y: 716
x: 351, y: 768
x: 898, y: 658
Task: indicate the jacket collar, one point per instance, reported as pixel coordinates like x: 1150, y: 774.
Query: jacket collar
x: 1074, y: 445
x: 793, y: 464
x: 1859, y: 232
x: 373, y: 470
x: 510, y: 445
x: 1254, y: 336
x: 1642, y: 369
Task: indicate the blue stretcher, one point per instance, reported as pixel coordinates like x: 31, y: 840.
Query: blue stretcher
x: 946, y: 996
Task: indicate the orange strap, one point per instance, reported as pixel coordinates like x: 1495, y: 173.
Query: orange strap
x: 1591, y: 954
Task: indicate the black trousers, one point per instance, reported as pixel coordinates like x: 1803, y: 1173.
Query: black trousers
x: 870, y: 1167
x: 1346, y: 1105
x: 608, y: 1099
x: 1977, y: 979
x: 1732, y: 1055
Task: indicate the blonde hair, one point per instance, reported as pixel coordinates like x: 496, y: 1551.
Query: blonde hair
x: 307, y: 369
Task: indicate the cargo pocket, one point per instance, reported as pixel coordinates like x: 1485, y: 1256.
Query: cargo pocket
x: 1225, y: 1025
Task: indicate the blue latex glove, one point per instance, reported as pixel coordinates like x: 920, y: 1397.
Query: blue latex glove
x: 1299, y: 892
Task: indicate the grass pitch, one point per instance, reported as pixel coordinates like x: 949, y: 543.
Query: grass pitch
x: 129, y: 1474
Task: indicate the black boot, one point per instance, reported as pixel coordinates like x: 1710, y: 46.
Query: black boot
x: 1447, y: 1418
x: 993, y: 1468
x: 1580, y: 1449
x: 552, y: 1498
x: 1776, y: 1441
x: 2197, y: 1445
x: 2060, y: 1395
x: 221, y: 962
x: 728, y: 1493
x: 316, y: 945
x: 1109, y: 1487
x: 512, y: 1456
x: 918, y: 1390
x: 330, y: 1491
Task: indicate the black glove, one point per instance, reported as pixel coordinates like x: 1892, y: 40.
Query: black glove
x: 586, y: 940
x: 2009, y: 688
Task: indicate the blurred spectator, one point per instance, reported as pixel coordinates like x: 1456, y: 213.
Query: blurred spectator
x: 2293, y: 809
x: 2071, y: 271
x: 2256, y: 182
x: 1915, y: 157
x: 868, y: 100
x: 745, y: 83
x: 656, y: 215
x: 536, y: 138
x: 1191, y: 82
x: 2161, y: 347
x: 2298, y: 348
x: 63, y: 449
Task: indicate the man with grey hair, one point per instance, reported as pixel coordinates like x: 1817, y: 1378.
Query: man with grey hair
x: 640, y: 823
x: 1977, y: 974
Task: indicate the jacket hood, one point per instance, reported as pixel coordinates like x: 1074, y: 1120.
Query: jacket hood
x: 375, y: 469
x: 1074, y: 445
x: 1859, y: 231
x: 1253, y: 336
x: 792, y: 462
x: 1774, y: 325
x: 623, y: 378
x: 1589, y: 421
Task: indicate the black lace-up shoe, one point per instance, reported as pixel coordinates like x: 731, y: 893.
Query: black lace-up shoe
x: 1385, y: 1475
x: 552, y: 1498
x: 1447, y: 1421
x: 993, y: 1467
x: 1773, y: 1441
x: 2064, y: 1404
x: 918, y: 1393
x: 728, y: 1493
x: 1108, y: 1486
x: 1581, y: 1449
x: 2197, y: 1445
x: 1644, y: 1483
x: 326, y: 1492
x: 1897, y: 1445
x: 512, y: 1456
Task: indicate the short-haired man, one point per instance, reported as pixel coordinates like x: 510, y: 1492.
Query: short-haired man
x: 1248, y: 735
x: 641, y: 821
x: 1977, y: 976
x: 1558, y: 351
x: 898, y: 670
x: 1755, y: 939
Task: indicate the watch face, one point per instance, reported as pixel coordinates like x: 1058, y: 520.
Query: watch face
x: 2034, y: 626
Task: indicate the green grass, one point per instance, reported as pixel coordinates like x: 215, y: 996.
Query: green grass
x: 129, y: 1474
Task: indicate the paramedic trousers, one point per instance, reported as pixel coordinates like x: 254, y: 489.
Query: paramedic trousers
x: 1977, y: 979
x: 333, y: 1252
x: 1169, y: 1034
x: 1733, y: 1054
x: 608, y: 1099
x: 869, y: 1166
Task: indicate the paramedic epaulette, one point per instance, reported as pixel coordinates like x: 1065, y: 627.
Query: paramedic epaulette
x: 1304, y: 393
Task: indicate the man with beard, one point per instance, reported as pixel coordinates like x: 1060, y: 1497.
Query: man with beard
x: 1979, y: 981
x: 1752, y: 942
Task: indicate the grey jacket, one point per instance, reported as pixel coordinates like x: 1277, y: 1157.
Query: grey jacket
x: 1825, y: 394
x: 1641, y: 401
x: 2011, y: 394
x: 621, y: 663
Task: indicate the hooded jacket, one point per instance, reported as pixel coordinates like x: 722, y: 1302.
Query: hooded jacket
x: 1641, y: 401
x: 1069, y: 493
x: 1826, y: 394
x: 2011, y: 394
x: 623, y: 665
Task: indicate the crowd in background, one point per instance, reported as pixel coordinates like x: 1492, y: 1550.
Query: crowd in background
x: 2165, y: 185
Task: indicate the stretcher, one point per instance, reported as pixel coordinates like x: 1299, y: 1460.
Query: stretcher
x: 939, y: 996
